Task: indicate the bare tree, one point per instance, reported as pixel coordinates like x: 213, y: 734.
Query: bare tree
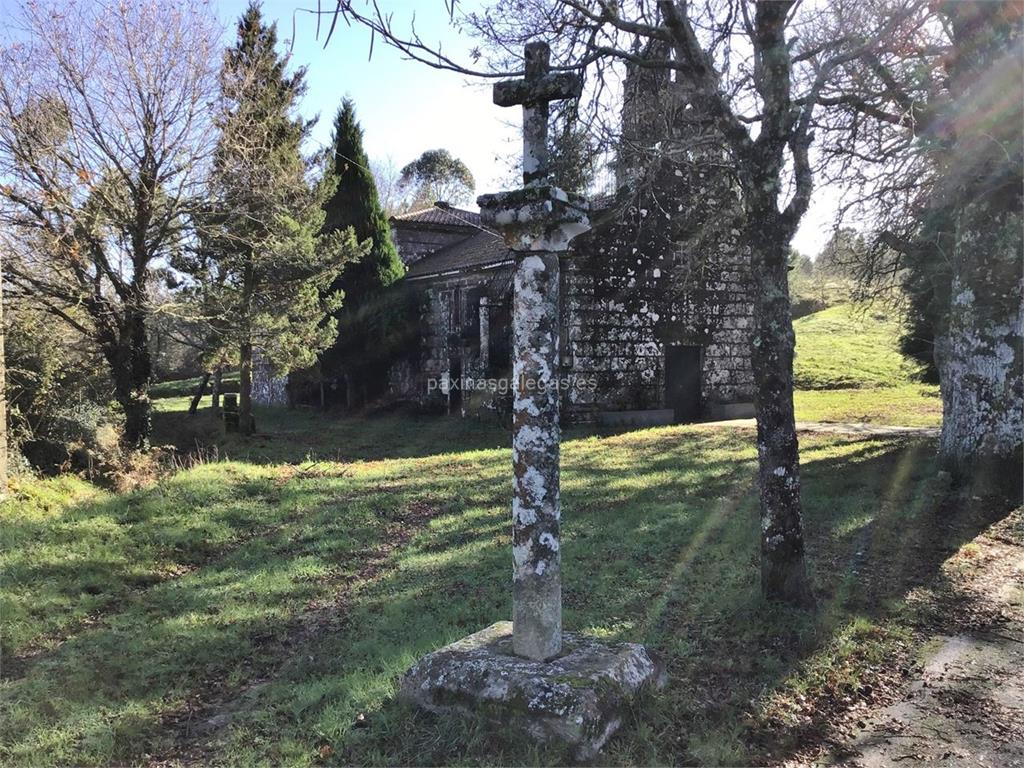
x: 3, y: 396
x: 758, y: 87
x: 104, y: 140
x: 386, y: 176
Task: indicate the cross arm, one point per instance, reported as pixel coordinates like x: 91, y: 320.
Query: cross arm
x: 549, y: 87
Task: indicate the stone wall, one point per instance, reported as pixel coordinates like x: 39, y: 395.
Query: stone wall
x: 267, y: 387
x: 669, y: 269
x: 450, y: 342
x: 666, y: 268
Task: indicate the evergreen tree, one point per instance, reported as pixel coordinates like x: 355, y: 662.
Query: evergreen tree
x: 373, y: 324
x: 267, y: 234
x: 355, y: 204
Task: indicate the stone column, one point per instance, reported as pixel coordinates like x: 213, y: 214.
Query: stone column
x: 485, y: 337
x: 537, y: 579
x: 538, y: 223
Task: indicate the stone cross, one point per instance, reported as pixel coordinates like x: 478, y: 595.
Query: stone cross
x: 576, y: 696
x: 537, y: 222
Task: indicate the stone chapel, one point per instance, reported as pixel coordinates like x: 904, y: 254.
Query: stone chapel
x: 657, y: 309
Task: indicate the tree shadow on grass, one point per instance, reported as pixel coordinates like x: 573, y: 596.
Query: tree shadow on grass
x: 291, y: 436
x: 283, y: 642
x: 680, y: 573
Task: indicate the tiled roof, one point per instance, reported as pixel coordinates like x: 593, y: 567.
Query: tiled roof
x: 438, y: 216
x: 478, y: 250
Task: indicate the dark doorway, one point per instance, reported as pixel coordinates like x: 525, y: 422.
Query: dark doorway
x: 682, y: 382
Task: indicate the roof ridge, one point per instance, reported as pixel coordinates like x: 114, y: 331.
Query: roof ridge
x: 417, y: 212
x: 478, y: 249
x: 449, y: 210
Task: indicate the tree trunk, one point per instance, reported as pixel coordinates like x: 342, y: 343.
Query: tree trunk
x: 198, y: 396
x: 215, y: 390
x: 246, y: 422
x: 3, y: 399
x: 980, y: 356
x: 128, y: 357
x: 783, y: 568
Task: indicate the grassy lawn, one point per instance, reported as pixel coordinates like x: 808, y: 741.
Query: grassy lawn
x: 260, y: 605
x: 909, y: 405
x: 848, y: 368
x: 260, y: 609
x: 187, y: 387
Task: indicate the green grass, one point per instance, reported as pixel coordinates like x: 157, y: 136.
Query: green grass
x: 250, y: 611
x: 848, y: 368
x: 187, y: 387
x: 849, y: 347
x: 260, y: 606
x: 909, y: 405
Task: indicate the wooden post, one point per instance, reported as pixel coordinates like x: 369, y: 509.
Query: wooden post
x: 198, y: 396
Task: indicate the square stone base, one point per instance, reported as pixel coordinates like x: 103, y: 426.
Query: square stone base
x: 577, y: 698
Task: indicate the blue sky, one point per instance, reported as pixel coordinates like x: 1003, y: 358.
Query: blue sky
x: 405, y: 107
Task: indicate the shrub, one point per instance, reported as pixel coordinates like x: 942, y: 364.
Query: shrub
x: 57, y: 389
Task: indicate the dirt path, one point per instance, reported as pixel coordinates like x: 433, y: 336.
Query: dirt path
x: 965, y: 707
x: 836, y: 428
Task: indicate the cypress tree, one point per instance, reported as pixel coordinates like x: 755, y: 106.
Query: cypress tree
x: 374, y: 326
x: 266, y: 229
x: 355, y: 204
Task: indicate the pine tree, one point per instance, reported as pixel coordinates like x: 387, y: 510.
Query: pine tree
x: 267, y: 226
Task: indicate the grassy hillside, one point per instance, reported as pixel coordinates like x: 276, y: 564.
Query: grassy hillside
x: 848, y: 368
x: 187, y: 387
x: 849, y: 347
x: 260, y: 610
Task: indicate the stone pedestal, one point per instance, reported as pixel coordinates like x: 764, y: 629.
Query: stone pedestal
x: 578, y: 698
